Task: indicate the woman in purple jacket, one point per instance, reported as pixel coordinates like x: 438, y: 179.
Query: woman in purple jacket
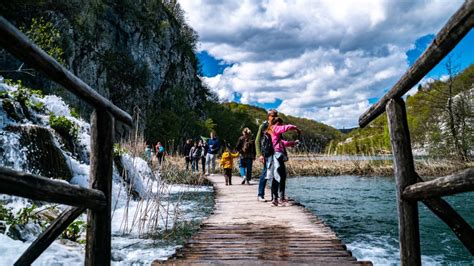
x: 277, y: 165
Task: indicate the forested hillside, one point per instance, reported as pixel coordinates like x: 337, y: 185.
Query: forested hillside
x: 230, y: 118
x: 440, y: 118
x: 140, y: 55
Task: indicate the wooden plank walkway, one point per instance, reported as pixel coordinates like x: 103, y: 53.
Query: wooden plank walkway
x: 244, y: 231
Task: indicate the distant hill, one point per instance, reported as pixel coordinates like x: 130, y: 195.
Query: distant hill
x: 315, y: 135
x: 346, y: 130
x: 440, y: 120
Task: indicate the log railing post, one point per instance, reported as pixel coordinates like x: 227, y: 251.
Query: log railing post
x: 98, y: 247
x: 404, y: 168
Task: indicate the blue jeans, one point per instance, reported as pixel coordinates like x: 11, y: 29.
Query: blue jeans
x: 195, y: 165
x: 245, y: 166
x: 211, y: 161
x: 263, y: 182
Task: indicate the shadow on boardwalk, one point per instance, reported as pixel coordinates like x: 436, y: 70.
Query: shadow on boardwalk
x: 247, y: 232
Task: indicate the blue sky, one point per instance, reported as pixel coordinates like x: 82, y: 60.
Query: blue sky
x: 321, y: 60
x: 462, y: 54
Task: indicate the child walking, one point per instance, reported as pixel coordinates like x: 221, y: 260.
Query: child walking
x: 227, y: 163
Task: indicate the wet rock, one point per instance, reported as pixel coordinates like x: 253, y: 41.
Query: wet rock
x: 44, y: 156
x: 118, y: 256
x: 125, y: 174
x: 13, y: 109
x: 3, y: 227
x: 24, y: 232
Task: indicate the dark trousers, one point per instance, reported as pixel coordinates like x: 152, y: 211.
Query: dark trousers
x: 228, y: 176
x: 188, y: 162
x: 160, y: 157
x: 203, y: 164
x: 278, y: 188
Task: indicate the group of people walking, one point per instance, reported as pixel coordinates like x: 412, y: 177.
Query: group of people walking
x: 269, y: 147
x: 205, y: 151
x: 159, y: 152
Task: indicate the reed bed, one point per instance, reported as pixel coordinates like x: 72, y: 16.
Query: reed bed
x: 158, y: 215
x: 322, y: 165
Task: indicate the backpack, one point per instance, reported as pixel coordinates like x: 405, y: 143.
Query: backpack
x: 247, y: 145
x: 267, y: 145
x: 197, y: 152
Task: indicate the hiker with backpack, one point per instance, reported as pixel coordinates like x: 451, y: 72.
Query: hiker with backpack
x: 276, y: 169
x: 160, y: 152
x: 195, y: 154
x: 213, y: 151
x: 264, y: 150
x: 246, y: 148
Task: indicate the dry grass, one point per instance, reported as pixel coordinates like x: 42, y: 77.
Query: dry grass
x: 314, y: 166
x: 317, y: 165
x: 173, y: 171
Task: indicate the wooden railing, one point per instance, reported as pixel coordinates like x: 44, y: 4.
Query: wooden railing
x: 410, y: 187
x: 97, y: 198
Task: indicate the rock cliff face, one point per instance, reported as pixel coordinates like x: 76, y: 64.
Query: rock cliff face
x: 137, y: 53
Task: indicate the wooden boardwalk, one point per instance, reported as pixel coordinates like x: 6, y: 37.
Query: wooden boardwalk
x: 244, y: 231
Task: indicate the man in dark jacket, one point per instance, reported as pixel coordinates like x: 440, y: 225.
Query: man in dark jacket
x: 214, y: 147
x: 246, y: 148
x: 186, y: 149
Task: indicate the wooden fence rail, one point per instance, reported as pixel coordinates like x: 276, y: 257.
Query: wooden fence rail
x: 410, y: 187
x: 45, y: 189
x: 97, y: 198
x: 49, y: 235
x: 449, y: 36
x: 16, y: 43
x: 442, y: 186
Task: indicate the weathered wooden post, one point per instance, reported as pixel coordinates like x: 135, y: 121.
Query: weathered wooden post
x: 404, y: 168
x: 98, y: 247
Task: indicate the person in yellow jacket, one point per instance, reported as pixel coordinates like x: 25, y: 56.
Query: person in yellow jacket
x: 227, y: 163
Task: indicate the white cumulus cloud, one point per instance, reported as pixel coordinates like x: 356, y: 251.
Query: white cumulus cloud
x: 324, y: 59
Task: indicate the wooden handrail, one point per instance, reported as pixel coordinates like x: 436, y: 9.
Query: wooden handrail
x: 24, y: 49
x: 446, y: 39
x: 41, y: 188
x: 452, y: 219
x: 49, y: 235
x: 442, y: 186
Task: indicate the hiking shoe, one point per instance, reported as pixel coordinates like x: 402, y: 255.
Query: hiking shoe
x: 274, y: 203
x: 261, y: 199
x: 282, y: 203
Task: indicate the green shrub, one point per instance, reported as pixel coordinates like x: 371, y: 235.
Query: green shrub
x: 74, y: 112
x: 63, y: 126
x: 45, y: 35
x: 74, y: 230
x: 119, y: 150
x: 6, y: 214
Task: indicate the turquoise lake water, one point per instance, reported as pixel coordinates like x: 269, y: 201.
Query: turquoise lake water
x: 363, y: 213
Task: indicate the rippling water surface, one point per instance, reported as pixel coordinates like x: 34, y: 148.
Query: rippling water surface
x: 363, y: 213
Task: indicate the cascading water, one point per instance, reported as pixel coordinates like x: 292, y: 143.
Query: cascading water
x: 40, y: 135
